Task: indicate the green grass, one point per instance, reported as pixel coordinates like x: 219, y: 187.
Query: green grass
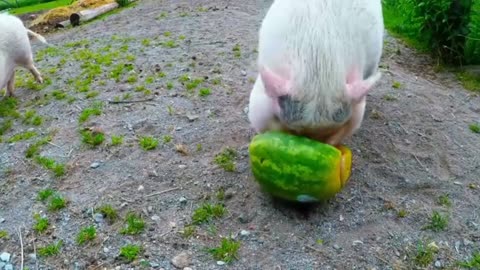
x: 130, y: 252
x: 444, y: 200
x: 58, y: 169
x: 225, y: 159
x: 3, y: 234
x: 116, y: 140
x: 86, y: 234
x: 167, y: 138
x: 188, y: 231
x: 208, y: 212
x: 44, y: 194
x: 473, y: 263
x: 86, y: 113
x: 402, y: 213
x: 134, y: 224
x: 50, y: 250
x: 92, y: 138
x: 475, y: 128
x: 424, y: 256
x: 236, y: 51
x: 227, y: 251
x: 41, y: 224
x: 469, y: 81
x: 108, y: 212
x: 23, y: 136
x: 57, y: 202
x: 148, y: 143
x: 5, y: 126
x: 39, y: 7
x: 8, y: 107
x: 34, y: 148
x: 169, y: 85
x: 205, y: 92
x: 438, y: 222
x: 32, y: 118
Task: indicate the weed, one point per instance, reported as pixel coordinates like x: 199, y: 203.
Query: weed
x: 220, y: 194
x: 57, y: 168
x: 396, y: 84
x: 41, y: 224
x: 95, y: 109
x: 34, y: 148
x: 170, y: 44
x: 22, y: 136
x: 473, y: 263
x: 208, y: 212
x: 146, y: 42
x: 162, y: 15
x: 199, y: 147
x: 148, y: 143
x: 170, y: 110
x: 86, y: 234
x: 188, y: 231
x: 108, y: 212
x: 437, y: 222
x: 56, y: 203
x: 132, y: 78
x: 167, y: 33
x: 50, y: 250
x: 225, y: 159
x: 227, y: 251
x: 444, y: 200
x: 5, y: 126
x: 469, y: 81
x: 402, y: 213
x: 116, y: 140
x: 134, y: 224
x: 183, y: 14
x: 236, y: 51
x: 32, y: 118
x: 388, y: 97
x: 92, y: 94
x: 475, y: 128
x: 92, y: 138
x: 149, y: 79
x: 130, y: 252
x: 3, y: 234
x: 44, y: 194
x: 216, y: 81
x: 8, y: 107
x: 167, y: 138
x: 161, y: 74
x: 181, y: 37
x: 205, y: 92
x: 424, y: 256
x: 169, y: 85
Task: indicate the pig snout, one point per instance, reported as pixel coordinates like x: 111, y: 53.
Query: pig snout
x: 317, y: 62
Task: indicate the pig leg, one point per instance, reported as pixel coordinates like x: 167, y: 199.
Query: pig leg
x: 11, y: 85
x: 31, y: 67
x: 260, y: 108
x: 358, y: 111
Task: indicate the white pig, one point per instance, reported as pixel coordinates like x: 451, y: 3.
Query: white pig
x: 317, y: 60
x: 15, y: 51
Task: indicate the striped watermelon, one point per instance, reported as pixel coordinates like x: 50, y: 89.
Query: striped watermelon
x: 297, y: 168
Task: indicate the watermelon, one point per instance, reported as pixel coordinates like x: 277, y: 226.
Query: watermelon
x: 296, y: 168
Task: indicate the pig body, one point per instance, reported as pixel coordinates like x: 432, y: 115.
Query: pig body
x: 15, y: 50
x: 317, y: 60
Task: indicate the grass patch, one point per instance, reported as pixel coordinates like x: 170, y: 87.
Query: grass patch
x: 22, y: 136
x: 204, y: 92
x: 225, y: 159
x: 92, y: 138
x: 86, y: 234
x: 41, y: 224
x: 34, y: 148
x: 167, y: 138
x: 96, y: 109
x: 59, y: 95
x: 108, y: 212
x: 437, y: 222
x: 473, y: 263
x: 50, y: 250
x: 188, y: 231
x: 402, y: 213
x: 148, y: 143
x: 208, y: 212
x: 424, y: 256
x: 134, y: 224
x: 444, y: 200
x: 236, y: 51
x: 39, y: 7
x: 169, y: 85
x: 227, y: 251
x: 3, y: 234
x: 475, y: 128
x: 116, y: 140
x: 57, y: 202
x: 8, y: 107
x: 469, y: 81
x: 5, y: 126
x: 58, y: 169
x: 32, y: 118
x: 130, y: 252
x: 44, y: 194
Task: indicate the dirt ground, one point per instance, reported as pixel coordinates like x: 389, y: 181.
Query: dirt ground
x: 414, y: 147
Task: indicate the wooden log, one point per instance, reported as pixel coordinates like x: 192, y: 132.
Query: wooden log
x: 62, y: 24
x: 88, y: 14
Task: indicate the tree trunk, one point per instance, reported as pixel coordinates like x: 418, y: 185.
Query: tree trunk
x: 88, y: 14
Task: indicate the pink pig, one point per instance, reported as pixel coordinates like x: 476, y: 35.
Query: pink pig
x: 317, y: 61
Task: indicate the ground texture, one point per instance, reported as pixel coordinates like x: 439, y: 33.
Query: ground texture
x: 192, y: 65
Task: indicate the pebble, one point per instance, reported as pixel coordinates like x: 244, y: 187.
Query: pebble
x: 337, y: 247
x: 182, y: 200
x: 244, y: 233
x: 192, y: 117
x: 229, y: 193
x: 244, y: 73
x: 2, y: 264
x: 357, y: 242
x: 32, y: 257
x: 94, y: 165
x: 98, y: 217
x: 5, y: 256
x: 2, y: 220
x: 467, y: 242
x: 153, y: 173
x: 457, y: 246
x: 106, y: 250
x: 438, y: 264
x: 220, y: 263
x: 8, y: 267
x: 245, y: 110
x: 182, y: 260
x: 155, y: 218
x: 140, y: 188
x: 182, y: 166
x: 187, y: 268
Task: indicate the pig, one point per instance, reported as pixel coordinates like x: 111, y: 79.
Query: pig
x: 15, y: 50
x: 317, y: 61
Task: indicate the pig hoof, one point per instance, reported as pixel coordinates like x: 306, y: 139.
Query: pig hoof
x: 40, y: 80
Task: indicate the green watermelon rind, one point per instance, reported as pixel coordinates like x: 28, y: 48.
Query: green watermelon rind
x: 294, y: 167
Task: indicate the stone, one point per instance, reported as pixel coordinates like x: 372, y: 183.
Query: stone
x: 8, y: 267
x: 244, y: 233
x: 98, y: 217
x: 181, y: 261
x: 94, y: 165
x: 220, y: 263
x: 5, y: 257
x: 32, y: 257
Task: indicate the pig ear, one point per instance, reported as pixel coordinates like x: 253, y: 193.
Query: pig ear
x: 358, y: 88
x: 275, y: 85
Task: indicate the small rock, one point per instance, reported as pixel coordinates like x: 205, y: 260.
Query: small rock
x: 341, y: 218
x: 357, y: 242
x: 94, y: 165
x: 2, y: 264
x: 150, y: 209
x: 244, y: 233
x: 155, y: 218
x: 106, y: 250
x: 187, y: 268
x: 2, y: 220
x: 438, y: 264
x: 182, y: 166
x: 245, y: 110
x: 32, y: 257
x: 182, y: 200
x: 457, y: 246
x: 118, y: 268
x: 154, y: 265
x: 229, y: 193
x: 172, y: 224
x: 153, y: 173
x: 192, y: 117
x: 220, y: 263
x: 98, y: 217
x: 140, y: 188
x: 337, y: 247
x: 8, y: 267
x: 5, y: 256
x: 182, y: 260
x: 244, y: 73
x: 467, y: 242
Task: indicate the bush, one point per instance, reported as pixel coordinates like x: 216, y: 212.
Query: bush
x: 122, y: 3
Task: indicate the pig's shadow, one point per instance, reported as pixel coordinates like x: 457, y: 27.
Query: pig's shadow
x: 297, y: 209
